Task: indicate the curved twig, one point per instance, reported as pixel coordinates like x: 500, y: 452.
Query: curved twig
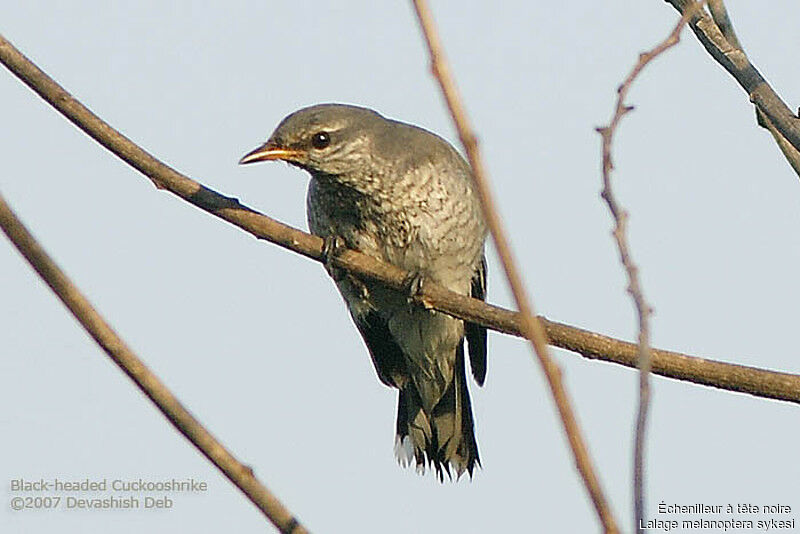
x: 643, y: 309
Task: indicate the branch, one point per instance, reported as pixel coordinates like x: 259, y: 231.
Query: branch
x: 643, y: 310
x: 718, y: 38
x: 241, y: 475
x: 531, y: 327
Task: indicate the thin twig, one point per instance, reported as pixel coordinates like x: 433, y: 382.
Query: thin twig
x: 713, y: 34
x: 727, y: 376
x: 720, y: 15
x: 241, y: 475
x: 643, y: 310
x: 532, y: 328
x: 791, y: 154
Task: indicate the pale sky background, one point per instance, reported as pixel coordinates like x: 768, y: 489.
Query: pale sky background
x: 258, y: 344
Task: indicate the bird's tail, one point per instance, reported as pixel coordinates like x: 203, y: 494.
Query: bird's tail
x: 443, y: 438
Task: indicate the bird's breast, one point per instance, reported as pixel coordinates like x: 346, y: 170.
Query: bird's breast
x: 434, y: 235
x: 335, y: 210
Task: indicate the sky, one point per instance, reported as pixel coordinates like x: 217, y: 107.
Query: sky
x: 256, y: 341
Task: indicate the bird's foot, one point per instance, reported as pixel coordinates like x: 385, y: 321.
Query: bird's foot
x: 332, y: 246
x: 413, y: 285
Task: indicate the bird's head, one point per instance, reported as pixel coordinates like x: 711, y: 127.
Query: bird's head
x: 326, y: 139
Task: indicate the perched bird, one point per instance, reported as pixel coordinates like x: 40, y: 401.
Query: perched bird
x: 405, y: 196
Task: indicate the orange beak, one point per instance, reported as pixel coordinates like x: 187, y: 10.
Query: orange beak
x: 268, y: 152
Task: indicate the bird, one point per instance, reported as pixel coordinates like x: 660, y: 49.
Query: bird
x: 405, y: 196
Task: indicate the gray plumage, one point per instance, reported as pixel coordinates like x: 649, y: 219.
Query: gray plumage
x: 402, y: 195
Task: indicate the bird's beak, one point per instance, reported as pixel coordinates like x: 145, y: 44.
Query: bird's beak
x: 268, y: 152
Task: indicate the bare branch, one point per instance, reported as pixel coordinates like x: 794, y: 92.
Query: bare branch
x: 643, y: 309
x: 728, y: 376
x: 531, y: 326
x: 241, y: 475
x: 713, y: 34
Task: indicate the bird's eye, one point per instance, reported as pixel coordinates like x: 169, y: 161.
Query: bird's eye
x: 320, y: 140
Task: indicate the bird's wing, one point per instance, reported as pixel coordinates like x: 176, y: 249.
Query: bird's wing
x: 387, y: 357
x: 476, y: 334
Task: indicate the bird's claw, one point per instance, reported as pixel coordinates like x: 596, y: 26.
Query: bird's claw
x: 413, y: 285
x: 332, y: 246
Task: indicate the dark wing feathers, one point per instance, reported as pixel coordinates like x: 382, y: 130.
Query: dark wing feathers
x: 387, y: 357
x: 476, y: 334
